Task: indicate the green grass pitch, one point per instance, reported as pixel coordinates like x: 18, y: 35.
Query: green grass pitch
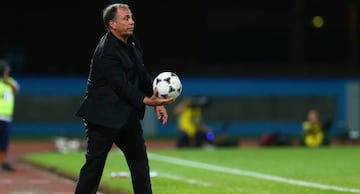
x: 273, y: 170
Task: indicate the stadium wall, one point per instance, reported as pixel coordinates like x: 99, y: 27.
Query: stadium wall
x: 246, y: 106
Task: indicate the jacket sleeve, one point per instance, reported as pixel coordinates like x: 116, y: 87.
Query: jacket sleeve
x: 145, y: 78
x: 146, y: 82
x: 116, y: 78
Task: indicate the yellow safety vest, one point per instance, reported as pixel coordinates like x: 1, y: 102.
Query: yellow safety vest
x: 190, y: 120
x: 6, y: 99
x: 314, y: 136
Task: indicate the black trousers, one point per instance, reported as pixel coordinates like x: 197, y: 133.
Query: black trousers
x: 99, y: 142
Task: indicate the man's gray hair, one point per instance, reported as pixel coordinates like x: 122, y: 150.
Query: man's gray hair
x: 110, y: 11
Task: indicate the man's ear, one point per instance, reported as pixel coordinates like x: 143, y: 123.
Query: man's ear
x: 112, y: 24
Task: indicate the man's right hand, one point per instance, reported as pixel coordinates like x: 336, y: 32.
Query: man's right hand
x: 154, y: 100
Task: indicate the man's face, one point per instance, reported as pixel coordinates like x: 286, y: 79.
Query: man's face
x: 123, y: 24
x: 313, y: 116
x: 5, y: 71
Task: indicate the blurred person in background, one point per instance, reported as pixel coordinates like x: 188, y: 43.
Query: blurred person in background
x: 8, y: 89
x: 118, y: 89
x: 314, y: 131
x: 192, y: 131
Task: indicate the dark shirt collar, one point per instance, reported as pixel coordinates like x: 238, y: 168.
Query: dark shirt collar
x: 119, y: 42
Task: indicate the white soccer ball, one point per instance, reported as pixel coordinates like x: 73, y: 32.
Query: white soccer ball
x: 168, y: 85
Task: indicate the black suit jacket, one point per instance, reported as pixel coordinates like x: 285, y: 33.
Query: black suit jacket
x: 117, y: 83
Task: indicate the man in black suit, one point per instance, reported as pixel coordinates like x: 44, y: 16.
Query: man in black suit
x: 118, y: 89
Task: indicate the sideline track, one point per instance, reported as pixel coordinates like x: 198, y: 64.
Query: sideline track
x: 222, y: 169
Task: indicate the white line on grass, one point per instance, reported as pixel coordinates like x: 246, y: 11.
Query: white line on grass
x: 253, y: 174
x: 185, y: 179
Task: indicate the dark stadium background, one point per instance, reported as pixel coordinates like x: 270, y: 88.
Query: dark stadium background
x: 201, y: 37
x: 262, y: 63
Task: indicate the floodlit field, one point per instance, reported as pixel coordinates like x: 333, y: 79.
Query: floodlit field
x: 276, y: 170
